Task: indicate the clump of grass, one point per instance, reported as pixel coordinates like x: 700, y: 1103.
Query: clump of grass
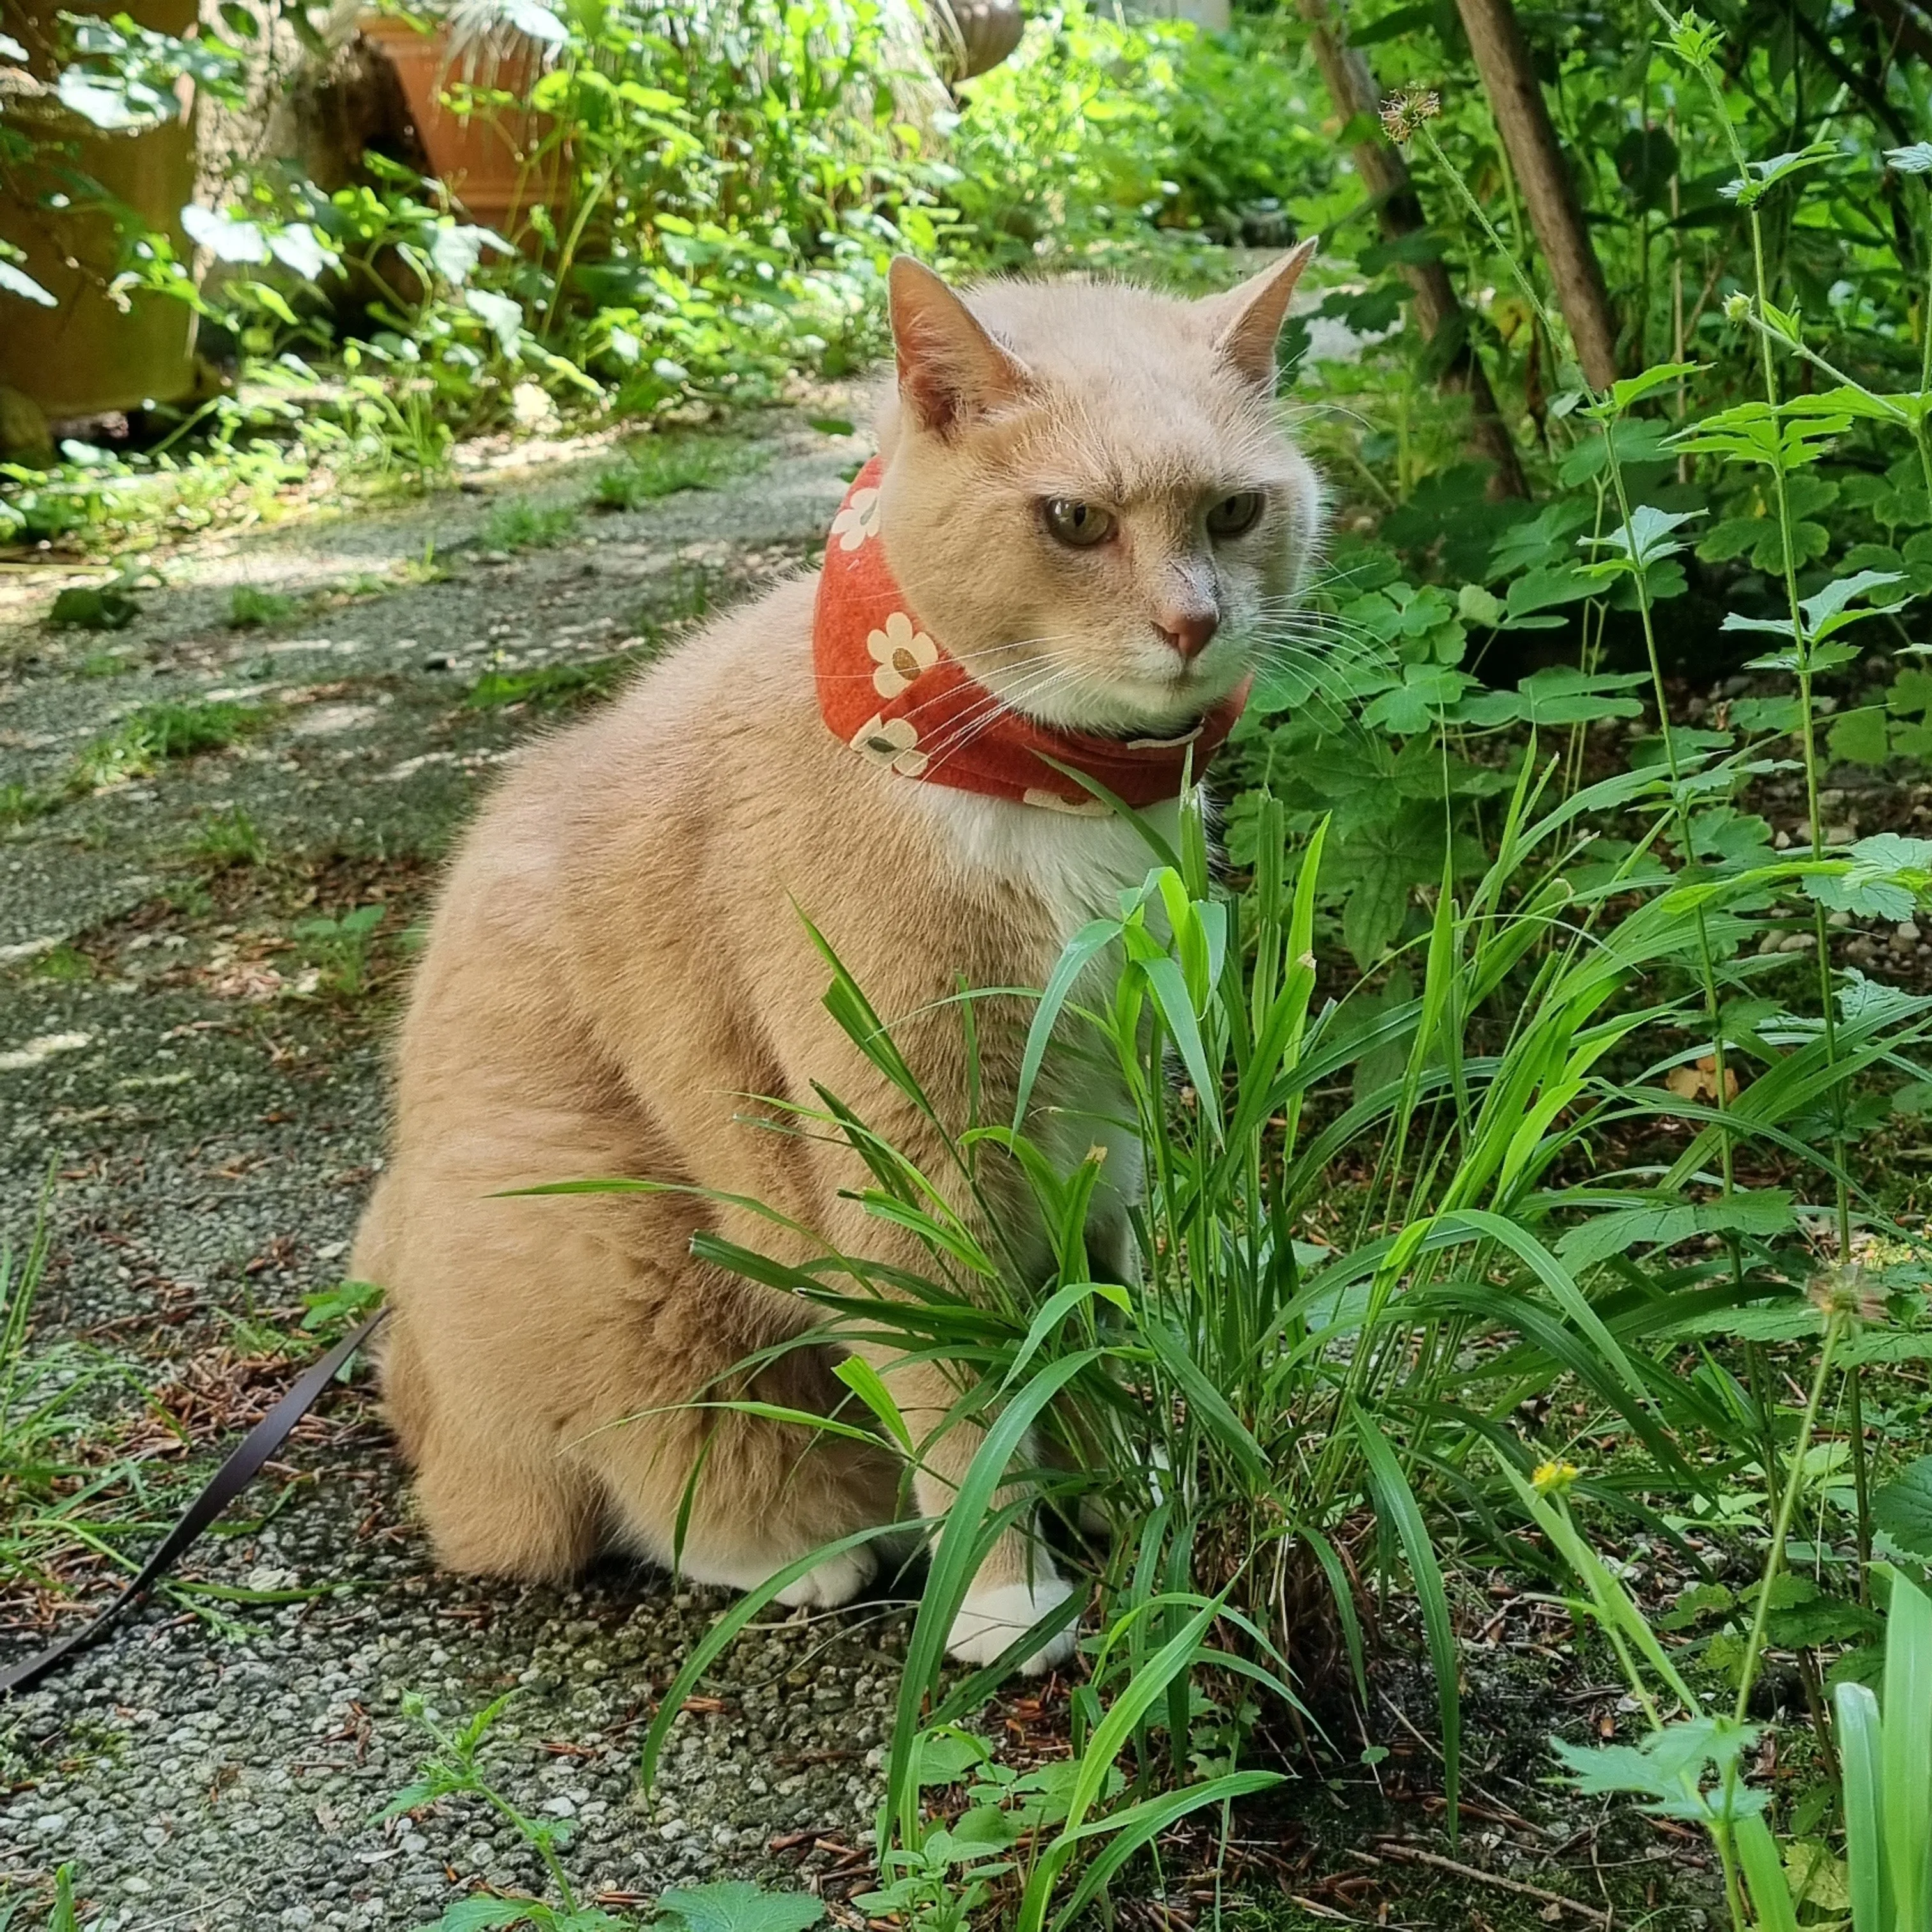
x: 248, y: 607
x: 65, y: 964
x: 228, y: 838
x: 662, y: 465
x: 47, y: 1514
x: 20, y: 803
x: 151, y: 736
x: 521, y: 526
x: 546, y: 687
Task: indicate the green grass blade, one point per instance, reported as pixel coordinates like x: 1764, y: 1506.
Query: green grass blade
x: 1771, y: 1895
x: 1174, y: 1657
x: 730, y: 1623
x: 955, y: 1560
x: 1396, y: 1504
x: 1860, y: 1757
x: 1141, y: 1824
x: 1342, y: 1591
x: 1086, y: 945
x: 1906, y: 1754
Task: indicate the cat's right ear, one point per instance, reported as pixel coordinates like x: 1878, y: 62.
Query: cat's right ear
x: 950, y: 369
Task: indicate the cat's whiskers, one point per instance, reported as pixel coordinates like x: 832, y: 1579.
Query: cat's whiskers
x: 987, y: 710
x: 963, y: 730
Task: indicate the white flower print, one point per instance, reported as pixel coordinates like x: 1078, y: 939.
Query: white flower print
x: 892, y: 743
x: 1051, y: 801
x: 858, y: 520
x: 900, y: 653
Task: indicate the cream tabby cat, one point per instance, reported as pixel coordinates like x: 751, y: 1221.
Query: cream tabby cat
x: 1083, y: 506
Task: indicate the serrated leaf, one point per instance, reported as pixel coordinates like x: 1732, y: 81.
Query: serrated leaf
x: 1634, y: 388
x: 1765, y: 1212
x: 1647, y: 538
x: 1732, y: 537
x: 475, y: 1915
x: 1547, y: 586
x: 730, y: 1905
x: 1903, y: 1507
x: 1860, y: 737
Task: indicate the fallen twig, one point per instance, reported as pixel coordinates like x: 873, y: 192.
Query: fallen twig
x: 1395, y: 1849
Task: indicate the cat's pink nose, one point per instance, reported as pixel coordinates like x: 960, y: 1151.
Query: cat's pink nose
x: 1189, y: 634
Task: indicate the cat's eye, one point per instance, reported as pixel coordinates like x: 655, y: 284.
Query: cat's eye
x: 1079, y: 526
x: 1234, y: 516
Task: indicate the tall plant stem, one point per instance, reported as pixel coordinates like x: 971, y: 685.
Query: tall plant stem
x: 1861, y: 1479
x: 1787, y: 1505
x: 1807, y: 734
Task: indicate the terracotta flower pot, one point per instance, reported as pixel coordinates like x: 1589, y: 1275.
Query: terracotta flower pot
x: 90, y: 354
x: 485, y: 161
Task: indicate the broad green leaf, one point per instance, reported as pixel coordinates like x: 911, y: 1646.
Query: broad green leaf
x: 475, y: 1915
x: 1646, y: 538
x: 1633, y: 389
x: 1545, y: 586
x: 1765, y: 1212
x: 731, y: 1905
x: 1732, y: 537
x: 1859, y: 1755
x: 1903, y: 1507
x: 1860, y: 737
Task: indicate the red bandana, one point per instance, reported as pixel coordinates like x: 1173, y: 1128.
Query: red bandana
x: 891, y: 693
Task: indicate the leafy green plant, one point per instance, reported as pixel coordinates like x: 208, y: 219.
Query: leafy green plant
x: 227, y: 837
x: 452, y: 1771
x: 342, y: 945
x: 1244, y: 1413
x: 548, y: 686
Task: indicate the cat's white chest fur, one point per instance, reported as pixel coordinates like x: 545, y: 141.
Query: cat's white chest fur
x: 1077, y: 867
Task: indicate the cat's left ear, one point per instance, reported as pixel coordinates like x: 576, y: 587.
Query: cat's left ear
x: 950, y: 368
x: 1246, y: 320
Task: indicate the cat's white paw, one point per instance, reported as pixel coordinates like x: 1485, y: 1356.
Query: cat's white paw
x: 989, y: 1620
x: 837, y: 1580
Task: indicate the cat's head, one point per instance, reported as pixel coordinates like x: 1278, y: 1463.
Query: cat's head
x: 1088, y: 497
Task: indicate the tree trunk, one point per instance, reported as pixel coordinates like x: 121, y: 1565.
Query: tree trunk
x: 1522, y: 119
x: 1351, y: 87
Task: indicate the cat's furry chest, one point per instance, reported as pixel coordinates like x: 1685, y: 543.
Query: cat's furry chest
x: 1076, y: 869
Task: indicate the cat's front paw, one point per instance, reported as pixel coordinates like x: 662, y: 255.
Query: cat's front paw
x: 989, y: 1620
x: 837, y: 1580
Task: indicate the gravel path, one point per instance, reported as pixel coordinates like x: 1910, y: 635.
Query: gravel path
x: 211, y: 1127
